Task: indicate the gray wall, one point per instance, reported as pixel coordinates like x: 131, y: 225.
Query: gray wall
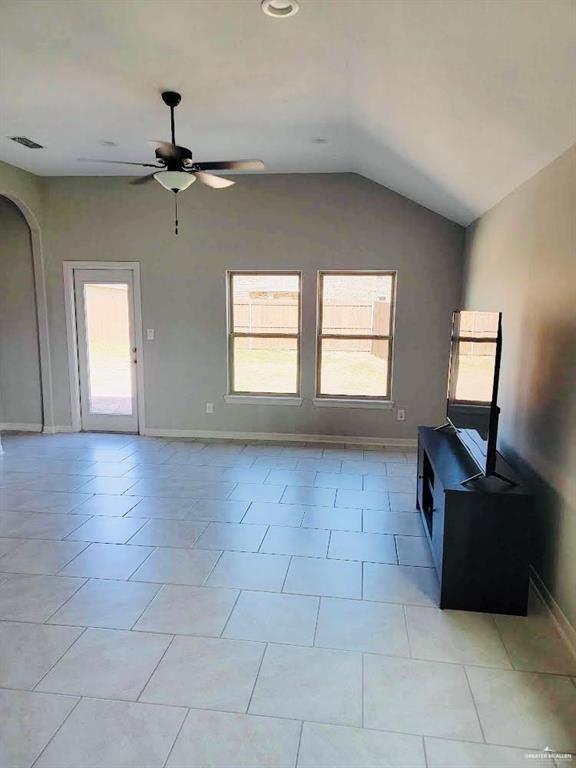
x: 20, y: 394
x: 307, y: 222
x: 521, y: 259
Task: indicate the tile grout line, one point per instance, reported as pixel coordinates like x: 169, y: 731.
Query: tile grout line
x: 248, y: 508
x: 151, y: 675
x: 82, y: 633
x: 473, y: 743
x: 258, y: 551
x: 161, y: 587
x: 318, y: 608
x: 48, y: 541
x: 424, y: 751
x: 168, y: 756
x: 227, y: 497
x: 392, y: 656
x: 264, y: 652
x: 362, y: 692
x: 474, y: 702
x: 65, y: 538
x: 213, y: 568
x: 153, y: 549
x: 300, y: 734
x: 57, y: 731
x: 501, y: 638
x: 221, y: 635
x: 84, y: 580
x: 286, y: 574
x: 405, y: 615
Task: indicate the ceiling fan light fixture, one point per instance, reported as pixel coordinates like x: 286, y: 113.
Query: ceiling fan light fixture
x: 175, y: 181
x: 280, y: 9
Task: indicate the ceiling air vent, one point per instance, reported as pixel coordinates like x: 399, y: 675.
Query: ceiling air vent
x: 26, y: 142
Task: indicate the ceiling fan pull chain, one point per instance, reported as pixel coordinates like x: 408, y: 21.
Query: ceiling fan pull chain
x: 176, y: 213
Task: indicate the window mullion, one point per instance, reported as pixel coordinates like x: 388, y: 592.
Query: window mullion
x: 364, y: 336
x: 243, y: 335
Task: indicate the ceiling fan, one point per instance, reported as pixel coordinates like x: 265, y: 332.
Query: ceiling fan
x: 176, y: 168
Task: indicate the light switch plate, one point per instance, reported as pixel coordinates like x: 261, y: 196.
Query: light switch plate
x: 150, y: 334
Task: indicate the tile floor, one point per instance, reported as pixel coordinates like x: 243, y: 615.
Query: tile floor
x: 179, y: 604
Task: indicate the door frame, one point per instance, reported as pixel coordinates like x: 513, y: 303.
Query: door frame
x: 72, y: 337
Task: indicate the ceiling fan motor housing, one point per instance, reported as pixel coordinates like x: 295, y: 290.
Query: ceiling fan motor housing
x: 175, y: 163
x: 171, y: 98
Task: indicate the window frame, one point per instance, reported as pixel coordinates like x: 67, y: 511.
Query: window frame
x: 232, y: 334
x: 320, y: 336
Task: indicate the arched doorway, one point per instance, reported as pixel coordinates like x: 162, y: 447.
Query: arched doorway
x: 20, y: 387
x: 24, y: 334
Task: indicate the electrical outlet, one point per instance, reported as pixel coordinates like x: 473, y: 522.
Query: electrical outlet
x: 150, y: 334
x: 209, y: 407
x: 401, y: 414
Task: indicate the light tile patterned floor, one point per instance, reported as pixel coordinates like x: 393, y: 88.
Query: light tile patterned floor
x: 179, y: 604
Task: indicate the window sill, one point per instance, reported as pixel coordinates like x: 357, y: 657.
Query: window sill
x: 325, y: 402
x: 262, y: 400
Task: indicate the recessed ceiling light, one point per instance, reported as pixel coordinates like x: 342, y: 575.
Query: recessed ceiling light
x: 280, y: 9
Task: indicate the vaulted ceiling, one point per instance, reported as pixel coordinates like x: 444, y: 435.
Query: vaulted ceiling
x: 452, y: 103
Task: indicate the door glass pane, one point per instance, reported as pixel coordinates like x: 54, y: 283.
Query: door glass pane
x: 356, y: 304
x: 354, y: 367
x: 266, y: 365
x: 265, y: 303
x: 108, y: 348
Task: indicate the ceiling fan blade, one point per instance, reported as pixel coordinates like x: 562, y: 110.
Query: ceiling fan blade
x: 116, y: 162
x: 143, y: 179
x: 230, y: 165
x: 210, y: 180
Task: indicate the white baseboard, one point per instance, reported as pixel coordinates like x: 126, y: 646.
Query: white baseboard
x: 199, y: 434
x: 21, y: 427
x: 564, y: 627
x: 35, y: 428
x: 289, y: 437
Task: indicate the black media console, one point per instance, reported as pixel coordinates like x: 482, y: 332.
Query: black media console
x: 479, y: 533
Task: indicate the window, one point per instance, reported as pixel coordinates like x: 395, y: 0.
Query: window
x: 264, y: 333
x: 355, y: 335
x: 473, y: 358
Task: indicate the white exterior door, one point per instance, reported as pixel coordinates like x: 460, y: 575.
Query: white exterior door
x: 107, y: 354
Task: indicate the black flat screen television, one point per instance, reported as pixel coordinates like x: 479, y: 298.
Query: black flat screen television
x: 472, y: 408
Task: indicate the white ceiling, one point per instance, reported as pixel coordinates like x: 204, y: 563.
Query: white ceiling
x: 452, y: 103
